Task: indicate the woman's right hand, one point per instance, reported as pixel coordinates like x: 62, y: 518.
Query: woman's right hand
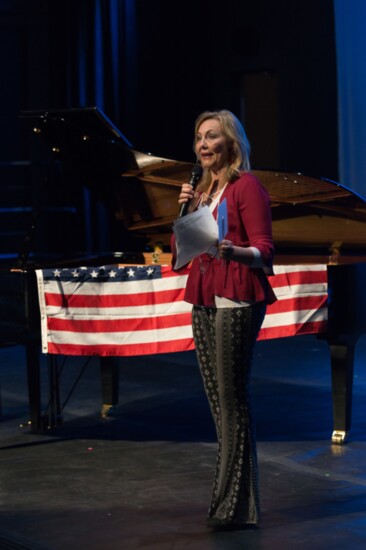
x: 186, y: 193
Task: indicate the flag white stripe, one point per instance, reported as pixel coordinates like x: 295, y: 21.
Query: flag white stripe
x: 155, y: 310
x: 112, y: 288
x: 312, y: 289
x: 120, y: 338
x: 295, y: 317
x: 279, y: 269
x: 43, y: 311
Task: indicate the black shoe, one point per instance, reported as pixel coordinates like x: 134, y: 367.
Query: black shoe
x: 216, y: 524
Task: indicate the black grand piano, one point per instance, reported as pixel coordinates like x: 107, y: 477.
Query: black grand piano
x: 315, y: 220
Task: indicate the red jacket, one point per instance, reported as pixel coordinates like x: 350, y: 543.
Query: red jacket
x: 249, y: 224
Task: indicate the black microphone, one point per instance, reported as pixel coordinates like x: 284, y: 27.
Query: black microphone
x: 195, y: 177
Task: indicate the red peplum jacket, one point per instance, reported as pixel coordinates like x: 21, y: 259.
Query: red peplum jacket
x: 249, y: 224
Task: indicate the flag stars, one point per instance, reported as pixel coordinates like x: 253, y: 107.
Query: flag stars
x: 104, y: 273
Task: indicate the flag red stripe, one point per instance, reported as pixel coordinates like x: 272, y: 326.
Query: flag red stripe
x: 313, y: 327
x: 166, y: 271
x: 114, y: 300
x: 119, y: 325
x: 298, y: 303
x: 298, y: 278
x: 122, y: 350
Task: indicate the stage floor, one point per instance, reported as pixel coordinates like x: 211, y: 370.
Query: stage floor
x: 142, y: 478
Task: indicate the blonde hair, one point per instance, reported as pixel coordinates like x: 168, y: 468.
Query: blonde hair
x: 234, y: 131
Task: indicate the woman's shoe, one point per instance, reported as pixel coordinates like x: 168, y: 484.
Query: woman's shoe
x: 216, y: 524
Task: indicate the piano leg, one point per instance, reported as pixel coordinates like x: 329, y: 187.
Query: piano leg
x: 342, y: 364
x: 34, y: 386
x: 109, y: 374
x: 109, y: 368
x: 54, y: 416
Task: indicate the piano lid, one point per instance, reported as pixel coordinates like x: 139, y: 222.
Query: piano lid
x: 314, y: 218
x: 314, y: 215
x: 79, y: 123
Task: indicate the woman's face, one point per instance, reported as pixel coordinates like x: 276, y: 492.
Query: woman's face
x: 212, y: 146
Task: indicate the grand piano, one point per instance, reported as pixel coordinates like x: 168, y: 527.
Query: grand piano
x: 315, y: 220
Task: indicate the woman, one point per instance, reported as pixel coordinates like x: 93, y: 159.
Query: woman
x: 229, y: 293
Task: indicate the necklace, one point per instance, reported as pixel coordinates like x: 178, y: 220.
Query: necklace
x: 207, y: 200
x: 212, y: 195
x: 214, y: 190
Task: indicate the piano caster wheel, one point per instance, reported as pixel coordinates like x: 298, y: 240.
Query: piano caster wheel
x: 106, y: 410
x: 28, y: 424
x: 339, y: 437
x: 50, y: 422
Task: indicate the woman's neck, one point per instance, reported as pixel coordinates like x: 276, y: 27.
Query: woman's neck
x: 220, y: 175
x: 217, y: 182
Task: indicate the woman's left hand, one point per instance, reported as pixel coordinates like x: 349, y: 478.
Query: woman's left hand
x: 225, y: 249
x: 228, y: 251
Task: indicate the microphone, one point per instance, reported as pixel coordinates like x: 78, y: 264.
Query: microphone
x: 195, y: 177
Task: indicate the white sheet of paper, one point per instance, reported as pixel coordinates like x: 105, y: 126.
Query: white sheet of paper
x: 195, y: 234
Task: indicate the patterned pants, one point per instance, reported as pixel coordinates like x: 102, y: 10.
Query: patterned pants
x: 224, y: 340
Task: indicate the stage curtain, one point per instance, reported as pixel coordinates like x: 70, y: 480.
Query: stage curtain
x: 93, y: 54
x: 350, y: 19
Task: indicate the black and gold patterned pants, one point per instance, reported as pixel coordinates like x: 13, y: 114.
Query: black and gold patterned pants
x: 224, y: 340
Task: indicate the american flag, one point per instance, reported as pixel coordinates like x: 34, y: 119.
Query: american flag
x: 138, y: 310
x: 302, y: 302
